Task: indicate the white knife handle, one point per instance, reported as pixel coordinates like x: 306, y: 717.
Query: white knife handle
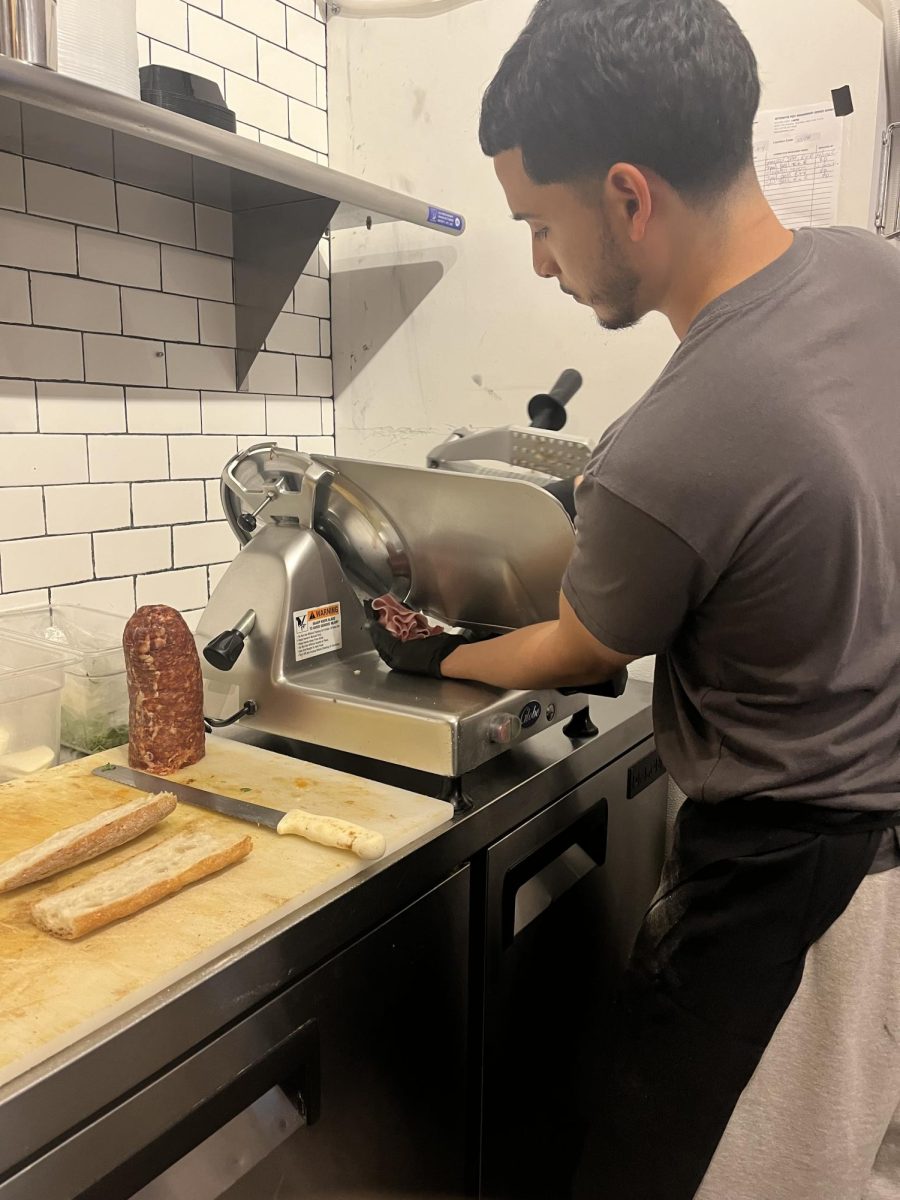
x: 330, y: 831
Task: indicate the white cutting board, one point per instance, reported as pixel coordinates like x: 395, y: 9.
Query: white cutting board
x: 54, y: 992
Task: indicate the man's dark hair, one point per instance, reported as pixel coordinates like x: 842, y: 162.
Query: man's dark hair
x: 670, y: 85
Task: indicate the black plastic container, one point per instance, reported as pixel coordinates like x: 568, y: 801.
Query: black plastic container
x: 190, y: 95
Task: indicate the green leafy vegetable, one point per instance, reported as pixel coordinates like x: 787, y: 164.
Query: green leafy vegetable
x: 91, y: 735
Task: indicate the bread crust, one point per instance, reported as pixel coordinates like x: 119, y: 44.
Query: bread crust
x: 86, y: 840
x: 211, y: 853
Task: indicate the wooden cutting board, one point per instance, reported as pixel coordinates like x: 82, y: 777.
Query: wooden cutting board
x: 53, y: 992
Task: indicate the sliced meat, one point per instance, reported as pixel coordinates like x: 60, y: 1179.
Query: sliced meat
x: 401, y: 622
x: 165, y: 691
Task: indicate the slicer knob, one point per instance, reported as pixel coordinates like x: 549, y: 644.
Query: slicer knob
x: 504, y: 729
x: 222, y: 652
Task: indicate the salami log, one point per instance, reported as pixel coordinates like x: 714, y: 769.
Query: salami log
x: 165, y: 691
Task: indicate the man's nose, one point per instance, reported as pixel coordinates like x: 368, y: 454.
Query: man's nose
x: 544, y: 263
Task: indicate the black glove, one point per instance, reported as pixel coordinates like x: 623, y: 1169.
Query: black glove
x: 420, y: 657
x: 613, y: 687
x: 564, y: 491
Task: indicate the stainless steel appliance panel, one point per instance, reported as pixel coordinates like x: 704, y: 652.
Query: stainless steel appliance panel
x: 481, y: 551
x: 564, y: 896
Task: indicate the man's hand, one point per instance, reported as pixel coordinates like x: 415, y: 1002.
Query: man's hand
x: 556, y: 654
x: 420, y: 657
x: 564, y: 491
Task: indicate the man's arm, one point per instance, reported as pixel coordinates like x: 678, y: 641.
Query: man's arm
x: 558, y: 653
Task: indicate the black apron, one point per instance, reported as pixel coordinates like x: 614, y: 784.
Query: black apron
x: 748, y: 888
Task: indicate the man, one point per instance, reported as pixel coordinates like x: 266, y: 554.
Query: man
x: 742, y: 522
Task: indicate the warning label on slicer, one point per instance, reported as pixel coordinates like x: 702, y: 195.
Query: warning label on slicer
x: 317, y: 631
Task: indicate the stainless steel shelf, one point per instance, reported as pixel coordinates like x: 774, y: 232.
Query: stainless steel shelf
x: 281, y: 204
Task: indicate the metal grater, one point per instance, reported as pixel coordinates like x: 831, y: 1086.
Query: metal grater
x: 535, y: 450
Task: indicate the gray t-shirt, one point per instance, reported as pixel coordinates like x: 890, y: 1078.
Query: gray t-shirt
x: 742, y: 522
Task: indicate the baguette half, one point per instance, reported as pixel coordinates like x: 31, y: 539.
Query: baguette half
x: 138, y: 882
x: 84, y: 841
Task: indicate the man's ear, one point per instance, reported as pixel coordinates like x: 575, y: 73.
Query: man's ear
x: 629, y: 197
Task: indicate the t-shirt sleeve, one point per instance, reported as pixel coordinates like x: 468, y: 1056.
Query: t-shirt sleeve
x: 632, y: 581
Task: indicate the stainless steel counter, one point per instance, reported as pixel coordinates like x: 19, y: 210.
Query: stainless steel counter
x: 41, y: 1108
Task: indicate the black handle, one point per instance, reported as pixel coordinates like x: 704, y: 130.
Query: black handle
x: 224, y: 650
x: 248, y: 709
x: 566, y: 386
x: 548, y: 409
x: 587, y: 835
x: 291, y: 1063
x: 612, y: 688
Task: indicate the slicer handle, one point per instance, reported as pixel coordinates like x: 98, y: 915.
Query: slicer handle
x: 613, y: 688
x: 548, y: 410
x: 223, y: 651
x: 566, y: 386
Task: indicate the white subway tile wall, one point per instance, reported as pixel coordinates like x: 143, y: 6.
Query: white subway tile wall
x: 174, y: 503
x: 80, y: 408
x: 159, y: 315
x: 213, y: 229
x: 85, y: 508
x: 262, y: 106
x: 162, y: 410
x: 217, y: 326
x: 118, y: 405
x: 15, y: 298
x: 23, y: 510
x: 70, y: 195
x: 12, y: 182
x: 75, y: 303
x: 150, y: 215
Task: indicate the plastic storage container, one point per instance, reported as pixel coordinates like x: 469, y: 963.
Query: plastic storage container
x: 31, y: 685
x: 94, y: 711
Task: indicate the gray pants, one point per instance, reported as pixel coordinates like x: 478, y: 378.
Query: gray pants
x: 820, y: 1119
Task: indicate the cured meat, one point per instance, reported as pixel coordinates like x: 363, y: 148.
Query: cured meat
x: 401, y: 622
x: 165, y: 691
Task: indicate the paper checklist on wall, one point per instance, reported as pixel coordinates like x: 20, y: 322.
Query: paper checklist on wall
x: 797, y: 152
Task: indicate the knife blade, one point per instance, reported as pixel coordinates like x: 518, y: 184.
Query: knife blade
x: 326, y: 831
x: 227, y: 806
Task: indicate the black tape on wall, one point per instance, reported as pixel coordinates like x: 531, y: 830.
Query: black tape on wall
x: 842, y: 101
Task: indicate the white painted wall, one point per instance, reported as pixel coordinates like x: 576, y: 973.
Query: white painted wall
x: 485, y: 333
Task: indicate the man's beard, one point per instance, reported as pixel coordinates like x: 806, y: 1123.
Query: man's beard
x: 618, y: 292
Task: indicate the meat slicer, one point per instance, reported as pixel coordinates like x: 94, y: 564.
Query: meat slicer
x: 284, y: 639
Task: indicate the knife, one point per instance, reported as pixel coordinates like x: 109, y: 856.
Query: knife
x: 326, y: 831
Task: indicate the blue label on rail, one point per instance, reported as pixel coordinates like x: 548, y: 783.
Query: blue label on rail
x: 446, y: 220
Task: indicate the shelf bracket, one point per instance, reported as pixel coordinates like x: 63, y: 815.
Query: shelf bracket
x: 272, y: 245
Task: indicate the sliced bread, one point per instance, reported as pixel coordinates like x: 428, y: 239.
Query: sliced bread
x: 138, y: 882
x: 84, y: 841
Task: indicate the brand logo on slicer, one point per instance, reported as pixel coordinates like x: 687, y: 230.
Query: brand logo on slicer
x: 530, y: 714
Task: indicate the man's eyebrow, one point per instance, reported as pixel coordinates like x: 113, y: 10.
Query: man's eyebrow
x: 525, y: 217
